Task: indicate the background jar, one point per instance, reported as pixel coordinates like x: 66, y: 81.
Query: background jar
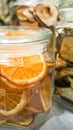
x: 66, y: 4
x: 16, y: 43
x: 64, y: 59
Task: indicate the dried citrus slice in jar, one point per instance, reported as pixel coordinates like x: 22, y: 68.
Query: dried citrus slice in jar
x: 35, y: 104
x: 41, y: 100
x: 11, y: 101
x: 46, y: 94
x: 25, y: 70
x: 21, y: 120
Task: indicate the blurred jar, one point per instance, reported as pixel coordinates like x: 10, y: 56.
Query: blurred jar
x: 66, y: 4
x: 57, y: 3
x: 26, y: 76
x: 33, y: 2
x: 64, y: 58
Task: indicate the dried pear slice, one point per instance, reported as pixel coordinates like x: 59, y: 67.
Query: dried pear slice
x: 47, y: 14
x: 46, y: 94
x: 19, y: 13
x: 66, y: 51
x: 63, y: 73
x: 29, y: 15
x: 66, y: 93
x: 71, y: 82
x: 21, y: 120
x: 24, y: 13
x: 60, y: 63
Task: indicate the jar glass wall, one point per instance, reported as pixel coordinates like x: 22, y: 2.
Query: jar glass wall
x: 26, y: 76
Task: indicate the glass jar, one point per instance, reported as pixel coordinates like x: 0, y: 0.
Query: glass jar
x: 64, y: 59
x: 66, y: 4
x: 26, y: 76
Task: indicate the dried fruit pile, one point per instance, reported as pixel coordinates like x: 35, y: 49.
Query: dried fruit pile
x: 25, y: 89
x: 35, y: 16
x: 64, y: 64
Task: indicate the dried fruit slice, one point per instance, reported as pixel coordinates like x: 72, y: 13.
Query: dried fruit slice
x: 47, y: 14
x: 24, y: 13
x: 11, y: 102
x: 63, y: 73
x: 35, y: 105
x: 18, y: 87
x: 21, y: 120
x: 71, y: 81
x: 3, y: 119
x: 19, y: 13
x: 29, y: 70
x: 60, y: 63
x: 66, y: 93
x: 66, y: 51
x: 45, y: 94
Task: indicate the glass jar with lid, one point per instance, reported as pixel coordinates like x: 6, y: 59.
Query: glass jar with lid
x: 64, y: 58
x: 26, y: 76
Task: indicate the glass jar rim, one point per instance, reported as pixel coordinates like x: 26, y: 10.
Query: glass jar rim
x: 19, y: 34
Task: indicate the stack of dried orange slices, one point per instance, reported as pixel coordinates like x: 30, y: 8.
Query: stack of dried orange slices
x: 24, y: 85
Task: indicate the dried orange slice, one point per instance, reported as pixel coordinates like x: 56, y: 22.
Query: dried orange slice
x: 35, y: 104
x: 19, y: 87
x: 11, y: 102
x: 45, y: 94
x: 25, y: 70
x: 21, y: 120
x: 3, y: 119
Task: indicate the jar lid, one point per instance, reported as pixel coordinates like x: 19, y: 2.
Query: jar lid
x: 20, y: 35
